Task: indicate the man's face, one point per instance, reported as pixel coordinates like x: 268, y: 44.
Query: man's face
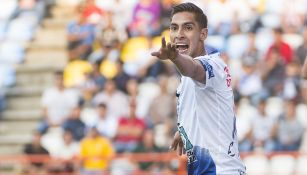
x: 186, y: 34
x: 59, y: 82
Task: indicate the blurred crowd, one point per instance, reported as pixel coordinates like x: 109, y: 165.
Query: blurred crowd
x: 114, y: 97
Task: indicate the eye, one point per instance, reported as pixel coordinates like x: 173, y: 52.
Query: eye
x: 173, y: 28
x: 189, y: 28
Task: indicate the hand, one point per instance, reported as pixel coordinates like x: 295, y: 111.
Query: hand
x: 177, y: 144
x: 166, y: 51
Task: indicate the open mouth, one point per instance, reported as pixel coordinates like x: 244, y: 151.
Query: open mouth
x: 182, y: 48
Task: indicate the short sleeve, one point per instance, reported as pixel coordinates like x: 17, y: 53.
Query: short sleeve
x: 214, y: 71
x: 45, y: 98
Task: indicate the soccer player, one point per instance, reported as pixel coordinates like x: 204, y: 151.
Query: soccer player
x: 206, y: 118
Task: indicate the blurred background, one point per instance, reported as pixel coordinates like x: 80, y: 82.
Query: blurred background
x: 81, y: 94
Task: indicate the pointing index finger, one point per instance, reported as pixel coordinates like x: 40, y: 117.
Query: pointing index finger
x: 163, y: 42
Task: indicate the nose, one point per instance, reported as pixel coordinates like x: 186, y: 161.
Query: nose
x: 180, y: 33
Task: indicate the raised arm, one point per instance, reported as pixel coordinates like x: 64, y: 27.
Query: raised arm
x: 186, y: 65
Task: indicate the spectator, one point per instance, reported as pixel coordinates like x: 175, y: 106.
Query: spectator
x: 113, y: 98
x: 301, y: 52
x: 63, y: 154
x: 98, y: 78
x: 129, y: 132
x: 80, y: 36
x: 166, y: 8
x: 109, y: 34
x: 92, y: 13
x: 291, y: 85
x: 252, y: 50
x: 57, y: 102
x: 37, y: 7
x: 35, y: 148
x: 106, y: 51
x: 289, y: 130
x: 303, y: 88
x: 95, y: 153
x: 132, y: 87
x: 106, y: 124
x: 145, y: 18
x: 262, y: 128
x: 157, y: 111
x: 74, y: 124
x: 143, y: 93
x: 244, y: 126
x: 93, y: 83
x: 284, y: 49
x: 147, y: 145
x: 88, y: 88
x: 122, y: 77
x: 273, y: 73
x: 249, y: 83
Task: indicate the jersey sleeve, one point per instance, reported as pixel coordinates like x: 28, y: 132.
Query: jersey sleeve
x: 215, y: 72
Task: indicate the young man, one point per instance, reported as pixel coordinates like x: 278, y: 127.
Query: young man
x: 206, y: 119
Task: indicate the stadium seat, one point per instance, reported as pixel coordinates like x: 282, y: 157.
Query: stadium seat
x: 274, y: 106
x: 271, y: 20
x: 122, y: 166
x: 216, y: 41
x: 11, y: 52
x: 89, y: 116
x: 301, y: 111
x: 236, y: 45
x: 301, y: 165
x: 156, y: 41
x: 293, y: 39
x: 245, y: 109
x: 67, y: 2
x: 108, y: 68
x: 132, y: 47
x: 263, y: 40
x: 3, y: 24
x: 74, y: 73
x: 303, y: 146
x: 7, y: 75
x: 7, y: 8
x: 282, y: 165
x: 147, y: 92
x: 52, y: 138
x: 256, y: 165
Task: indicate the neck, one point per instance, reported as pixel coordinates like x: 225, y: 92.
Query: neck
x: 201, y: 51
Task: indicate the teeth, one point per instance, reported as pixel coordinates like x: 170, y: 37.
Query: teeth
x: 181, y: 45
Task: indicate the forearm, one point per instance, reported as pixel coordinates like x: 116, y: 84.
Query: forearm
x: 186, y: 65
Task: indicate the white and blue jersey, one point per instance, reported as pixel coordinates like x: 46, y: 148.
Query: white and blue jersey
x: 207, y: 122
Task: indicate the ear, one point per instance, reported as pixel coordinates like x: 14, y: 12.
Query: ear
x: 203, y: 34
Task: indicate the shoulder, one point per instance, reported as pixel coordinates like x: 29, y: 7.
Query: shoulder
x: 211, y: 63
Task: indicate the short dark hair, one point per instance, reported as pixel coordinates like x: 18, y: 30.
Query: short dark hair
x: 200, y: 16
x: 59, y: 73
x: 102, y: 105
x: 278, y: 30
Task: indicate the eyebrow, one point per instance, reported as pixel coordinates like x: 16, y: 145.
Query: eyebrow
x: 186, y: 23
